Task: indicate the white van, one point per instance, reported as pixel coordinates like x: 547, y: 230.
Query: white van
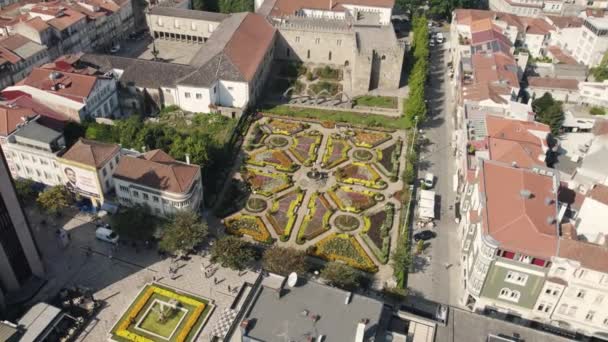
x: 429, y: 180
x: 107, y: 235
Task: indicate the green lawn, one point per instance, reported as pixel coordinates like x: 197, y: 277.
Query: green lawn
x: 376, y: 101
x: 151, y: 323
x: 370, y: 120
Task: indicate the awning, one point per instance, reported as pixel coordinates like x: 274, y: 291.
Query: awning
x: 426, y: 212
x: 427, y: 194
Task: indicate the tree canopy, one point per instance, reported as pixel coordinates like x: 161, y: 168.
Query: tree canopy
x: 232, y: 252
x: 183, y: 232
x: 223, y: 6
x: 136, y: 222
x: 415, y: 105
x: 549, y: 112
x: 341, y: 275
x: 54, y: 199
x: 402, y: 259
x: 25, y: 190
x: 283, y: 261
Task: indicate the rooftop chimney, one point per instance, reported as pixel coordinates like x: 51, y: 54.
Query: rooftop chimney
x: 525, y: 193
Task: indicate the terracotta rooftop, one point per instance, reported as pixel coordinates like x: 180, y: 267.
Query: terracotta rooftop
x: 565, y: 22
x: 290, y: 7
x: 468, y: 16
x: 600, y: 127
x: 516, y: 130
x: 70, y: 85
x: 511, y: 152
x: 15, y: 111
x: 553, y: 83
x: 495, y: 67
x: 519, y: 223
x: 157, y: 170
x: 590, y: 255
x: 486, y: 91
x: 561, y: 56
x: 481, y: 25
x: 91, y: 152
x: 69, y: 18
x: 37, y: 24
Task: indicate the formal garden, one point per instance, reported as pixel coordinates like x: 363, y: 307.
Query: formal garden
x: 327, y: 189
x: 160, y: 313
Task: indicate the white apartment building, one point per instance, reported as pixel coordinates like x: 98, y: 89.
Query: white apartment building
x: 593, y: 93
x: 157, y: 180
x: 531, y: 8
x: 593, y: 42
x: 31, y: 153
x: 566, y: 32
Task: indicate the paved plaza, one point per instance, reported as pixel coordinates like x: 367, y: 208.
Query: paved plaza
x: 117, y: 275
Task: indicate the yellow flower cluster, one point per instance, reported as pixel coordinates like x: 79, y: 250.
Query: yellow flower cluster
x: 366, y: 264
x: 236, y: 225
x: 291, y: 213
x: 329, y: 152
x: 284, y: 127
x: 123, y: 331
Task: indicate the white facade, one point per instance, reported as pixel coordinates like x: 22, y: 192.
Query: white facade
x: 593, y: 42
x: 594, y: 93
x: 162, y: 203
x: 536, y: 43
x: 566, y: 38
x: 530, y: 8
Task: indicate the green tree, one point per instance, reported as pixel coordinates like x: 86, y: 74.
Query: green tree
x: 408, y: 5
x: 102, y: 132
x: 25, y: 190
x: 283, y: 261
x: 549, y: 112
x: 54, y: 199
x: 136, y: 222
x: 232, y: 252
x: 72, y: 131
x: 341, y: 275
x: 183, y: 232
x: 402, y: 260
x: 128, y: 130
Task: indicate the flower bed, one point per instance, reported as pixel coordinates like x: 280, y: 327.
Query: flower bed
x: 388, y: 159
x: 277, y: 141
x: 316, y: 220
x: 265, y: 183
x: 350, y: 200
x: 367, y: 138
x: 362, y: 155
x: 344, y: 247
x: 284, y: 127
x: 378, y: 237
x: 257, y: 135
x: 271, y: 157
x: 360, y: 174
x: 282, y: 215
x: 336, y: 152
x: 248, y: 225
x: 305, y: 146
x: 346, y: 223
x: 195, y: 310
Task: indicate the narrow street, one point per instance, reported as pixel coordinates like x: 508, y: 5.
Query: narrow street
x: 435, y: 275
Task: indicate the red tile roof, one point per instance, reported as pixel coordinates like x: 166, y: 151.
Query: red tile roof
x: 91, y: 152
x: 12, y: 113
x: 565, y: 22
x: 552, y: 83
x: 561, y: 56
x: 468, y: 16
x: 70, y: 85
x: 516, y: 153
x: 37, y: 24
x: 590, y: 256
x: 519, y: 224
x: 249, y: 44
x: 495, y: 67
x: 157, y: 170
x: 599, y: 193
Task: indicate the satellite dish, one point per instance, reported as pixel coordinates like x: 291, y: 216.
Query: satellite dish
x: 292, y: 280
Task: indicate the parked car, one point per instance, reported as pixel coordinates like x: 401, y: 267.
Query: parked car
x: 429, y: 180
x: 424, y: 235
x: 107, y: 235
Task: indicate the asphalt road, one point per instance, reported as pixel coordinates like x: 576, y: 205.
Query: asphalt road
x: 436, y: 270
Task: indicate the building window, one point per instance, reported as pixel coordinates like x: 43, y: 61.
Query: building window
x: 581, y: 294
x: 210, y: 28
x: 563, y: 309
x: 116, y: 159
x: 581, y: 273
x: 329, y: 57
x: 510, y: 295
x: 516, y: 278
x: 572, y: 311
x: 590, y: 315
x: 606, y: 321
x: 297, y: 39
x: 339, y: 42
x: 135, y: 194
x: 308, y: 54
x: 199, y: 96
x: 214, y: 89
x: 145, y: 196
x: 525, y: 259
x: 230, y: 88
x: 317, y: 41
x: 124, y: 188
x: 287, y: 52
x: 176, y: 24
x: 111, y: 165
x: 187, y: 95
x: 105, y: 173
x: 155, y: 198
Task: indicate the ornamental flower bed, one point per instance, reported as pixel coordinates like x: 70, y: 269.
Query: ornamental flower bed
x: 277, y: 126
x: 336, y: 152
x: 369, y: 139
x: 282, y: 215
x: 305, y: 146
x: 360, y: 174
x: 271, y: 157
x: 351, y: 200
x: 378, y: 237
x: 265, y: 183
x: 388, y: 159
x: 346, y: 248
x: 195, y: 311
x: 256, y: 137
x: 252, y: 226
x: 316, y: 220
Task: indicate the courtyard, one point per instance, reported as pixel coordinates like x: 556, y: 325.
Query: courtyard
x: 324, y: 188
